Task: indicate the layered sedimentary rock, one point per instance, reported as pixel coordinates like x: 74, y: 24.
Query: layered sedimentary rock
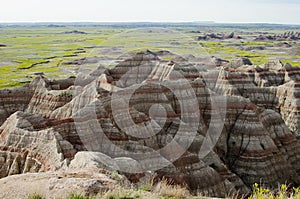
x: 14, y: 100
x: 217, y: 131
x: 287, y: 36
x: 27, y: 148
x: 213, y: 36
x: 259, y: 149
x: 288, y: 97
x: 48, y: 96
x: 272, y: 86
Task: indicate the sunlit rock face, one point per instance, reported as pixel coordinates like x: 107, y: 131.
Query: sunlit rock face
x: 216, y: 129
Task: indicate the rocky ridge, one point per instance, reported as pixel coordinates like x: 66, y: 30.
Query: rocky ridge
x: 287, y: 36
x: 149, y: 115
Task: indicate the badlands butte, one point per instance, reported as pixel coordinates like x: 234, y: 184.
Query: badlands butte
x: 232, y: 123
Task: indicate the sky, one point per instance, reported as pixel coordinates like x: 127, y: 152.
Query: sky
x: 239, y: 11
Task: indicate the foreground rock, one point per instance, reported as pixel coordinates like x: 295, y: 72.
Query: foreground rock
x: 218, y: 131
x: 55, y: 184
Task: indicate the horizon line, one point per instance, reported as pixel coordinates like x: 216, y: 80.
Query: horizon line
x: 153, y: 22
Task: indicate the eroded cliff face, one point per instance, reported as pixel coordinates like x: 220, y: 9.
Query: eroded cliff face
x: 217, y: 131
x: 272, y: 86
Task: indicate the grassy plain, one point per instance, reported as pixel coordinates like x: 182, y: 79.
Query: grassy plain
x: 46, y: 50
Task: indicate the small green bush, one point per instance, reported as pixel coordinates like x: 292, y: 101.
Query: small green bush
x: 281, y: 193
x: 80, y: 196
x: 35, y: 196
x: 122, y: 194
x: 146, y: 187
x: 65, y: 94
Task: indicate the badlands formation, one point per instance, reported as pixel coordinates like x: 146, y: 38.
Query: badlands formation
x: 217, y: 127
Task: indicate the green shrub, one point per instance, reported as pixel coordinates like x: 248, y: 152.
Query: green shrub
x: 146, y: 187
x: 66, y: 94
x: 122, y: 194
x: 281, y: 193
x: 80, y: 196
x: 35, y: 196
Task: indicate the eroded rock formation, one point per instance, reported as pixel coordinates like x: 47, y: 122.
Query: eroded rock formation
x: 217, y: 131
x: 290, y: 36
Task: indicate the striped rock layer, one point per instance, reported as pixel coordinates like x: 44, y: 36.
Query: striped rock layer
x: 217, y: 131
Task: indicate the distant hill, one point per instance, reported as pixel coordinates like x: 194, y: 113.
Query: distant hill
x: 154, y: 24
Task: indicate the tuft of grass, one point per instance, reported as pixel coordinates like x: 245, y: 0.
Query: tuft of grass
x: 80, y: 196
x: 122, y: 194
x: 35, y: 196
x: 65, y: 94
x: 166, y: 190
x: 146, y: 187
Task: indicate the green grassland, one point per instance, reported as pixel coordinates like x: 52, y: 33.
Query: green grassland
x: 258, y: 57
x: 31, y: 50
x: 36, y: 50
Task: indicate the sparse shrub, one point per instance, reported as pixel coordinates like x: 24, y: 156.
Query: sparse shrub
x: 146, y: 187
x: 166, y: 190
x: 35, y: 196
x: 281, y: 193
x: 80, y: 196
x: 116, y: 176
x: 260, y: 193
x: 65, y: 94
x: 122, y: 194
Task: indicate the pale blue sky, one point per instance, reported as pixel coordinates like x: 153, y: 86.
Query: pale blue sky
x: 271, y: 11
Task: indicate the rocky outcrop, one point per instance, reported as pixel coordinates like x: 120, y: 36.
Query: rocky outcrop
x: 14, y: 100
x: 28, y: 148
x: 218, y: 61
x: 85, y: 60
x: 239, y: 62
x: 56, y: 184
x: 287, y: 36
x: 49, y: 96
x: 262, y: 144
x: 75, y: 32
x: 267, y: 86
x: 216, y: 130
x: 288, y: 100
x: 219, y: 36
